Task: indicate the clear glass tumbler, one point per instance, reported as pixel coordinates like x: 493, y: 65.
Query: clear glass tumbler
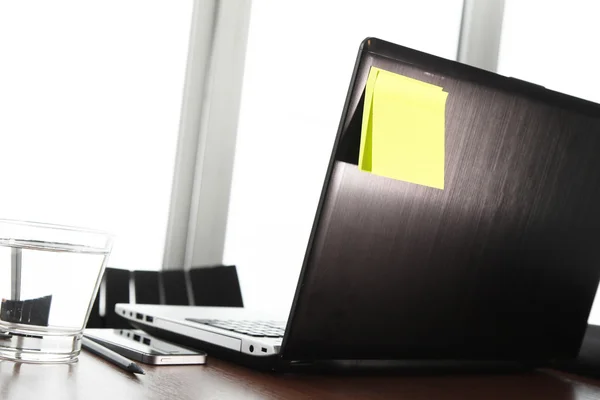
x: 49, y: 277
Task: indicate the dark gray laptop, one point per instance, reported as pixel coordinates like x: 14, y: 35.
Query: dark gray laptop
x: 500, y: 266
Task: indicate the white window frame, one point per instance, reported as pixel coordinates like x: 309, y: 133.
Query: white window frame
x: 480, y: 33
x: 207, y: 134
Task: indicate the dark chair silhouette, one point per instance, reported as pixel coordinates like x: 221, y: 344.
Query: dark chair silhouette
x: 147, y: 287
x: 117, y: 291
x: 216, y: 286
x: 210, y: 286
x: 175, y: 287
x: 95, y: 321
x: 588, y: 361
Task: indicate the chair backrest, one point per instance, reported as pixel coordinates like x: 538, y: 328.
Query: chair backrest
x: 147, y: 287
x: 210, y: 286
x: 117, y: 291
x: 175, y: 287
x: 216, y: 286
x: 95, y: 320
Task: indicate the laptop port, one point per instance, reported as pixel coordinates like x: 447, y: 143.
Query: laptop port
x: 251, y: 349
x: 149, y: 318
x: 146, y: 341
x: 139, y: 316
x: 136, y: 338
x: 263, y: 349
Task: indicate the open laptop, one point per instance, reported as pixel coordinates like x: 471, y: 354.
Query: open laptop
x: 502, y: 265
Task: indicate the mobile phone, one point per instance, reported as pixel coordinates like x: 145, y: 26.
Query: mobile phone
x: 139, y: 346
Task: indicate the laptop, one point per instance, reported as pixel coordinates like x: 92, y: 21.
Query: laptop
x: 501, y: 266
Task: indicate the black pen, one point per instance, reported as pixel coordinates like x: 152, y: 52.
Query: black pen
x: 112, y: 356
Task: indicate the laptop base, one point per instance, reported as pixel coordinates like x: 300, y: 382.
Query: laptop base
x: 342, y: 367
x: 268, y: 363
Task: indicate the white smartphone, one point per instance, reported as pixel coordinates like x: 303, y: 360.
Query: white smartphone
x: 139, y: 346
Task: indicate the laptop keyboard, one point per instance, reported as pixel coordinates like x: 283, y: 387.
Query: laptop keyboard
x: 270, y: 329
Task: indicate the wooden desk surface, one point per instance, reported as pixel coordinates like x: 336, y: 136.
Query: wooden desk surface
x: 93, y: 378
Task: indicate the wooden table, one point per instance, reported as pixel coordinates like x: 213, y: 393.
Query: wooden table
x: 93, y: 378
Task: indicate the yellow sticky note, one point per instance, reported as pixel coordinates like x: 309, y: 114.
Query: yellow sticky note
x: 403, y: 129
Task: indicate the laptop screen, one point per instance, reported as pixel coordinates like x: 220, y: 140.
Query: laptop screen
x: 501, y: 264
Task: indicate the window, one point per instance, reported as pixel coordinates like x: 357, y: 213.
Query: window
x: 552, y: 44
x: 90, y: 100
x: 298, y: 66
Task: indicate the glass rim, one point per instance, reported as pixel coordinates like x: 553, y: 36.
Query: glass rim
x: 55, y: 226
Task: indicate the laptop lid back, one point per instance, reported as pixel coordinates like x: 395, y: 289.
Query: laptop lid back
x: 502, y: 264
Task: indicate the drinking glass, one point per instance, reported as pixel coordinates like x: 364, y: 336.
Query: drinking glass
x: 49, y: 278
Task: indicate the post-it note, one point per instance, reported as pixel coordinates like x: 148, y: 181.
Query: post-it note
x: 403, y: 129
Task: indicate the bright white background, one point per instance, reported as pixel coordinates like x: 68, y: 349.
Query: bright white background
x: 90, y: 97
x: 554, y: 44
x: 299, y: 62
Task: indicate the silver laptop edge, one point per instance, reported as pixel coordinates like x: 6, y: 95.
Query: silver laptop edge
x: 152, y: 316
